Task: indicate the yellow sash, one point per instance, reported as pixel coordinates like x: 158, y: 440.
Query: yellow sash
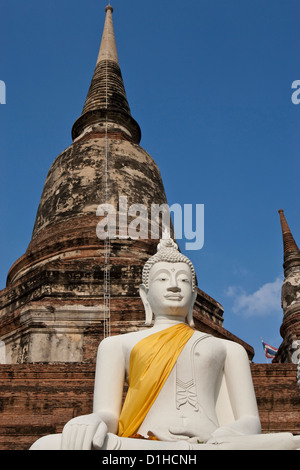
x: 151, y: 361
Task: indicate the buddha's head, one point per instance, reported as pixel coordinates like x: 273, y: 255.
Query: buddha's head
x: 168, y: 284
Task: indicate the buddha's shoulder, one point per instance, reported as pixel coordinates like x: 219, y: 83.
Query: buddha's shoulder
x: 123, y: 339
x: 200, y: 338
x: 223, y: 343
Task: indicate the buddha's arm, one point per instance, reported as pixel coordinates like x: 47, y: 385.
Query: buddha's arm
x: 241, y: 393
x: 109, y: 382
x: 80, y: 432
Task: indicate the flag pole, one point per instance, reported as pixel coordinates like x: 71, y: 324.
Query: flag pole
x: 264, y: 350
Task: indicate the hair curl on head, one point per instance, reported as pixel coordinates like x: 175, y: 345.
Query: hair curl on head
x: 167, y: 251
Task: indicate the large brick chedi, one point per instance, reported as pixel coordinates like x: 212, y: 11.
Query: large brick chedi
x: 71, y: 287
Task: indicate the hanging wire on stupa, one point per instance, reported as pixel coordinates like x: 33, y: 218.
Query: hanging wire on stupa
x: 107, y: 247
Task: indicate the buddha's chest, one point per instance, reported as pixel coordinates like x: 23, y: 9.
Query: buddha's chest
x: 198, y: 370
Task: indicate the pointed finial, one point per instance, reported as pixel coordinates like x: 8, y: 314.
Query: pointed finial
x: 108, y: 48
x: 166, y: 234
x: 289, y: 243
x: 291, y: 251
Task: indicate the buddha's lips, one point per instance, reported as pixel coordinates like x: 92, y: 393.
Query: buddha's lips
x: 174, y: 296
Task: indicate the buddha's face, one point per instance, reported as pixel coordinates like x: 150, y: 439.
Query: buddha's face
x: 170, y: 289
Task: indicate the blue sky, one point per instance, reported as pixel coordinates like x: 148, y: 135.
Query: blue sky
x: 209, y: 82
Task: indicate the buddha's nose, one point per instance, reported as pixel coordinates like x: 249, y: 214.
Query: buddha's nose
x: 174, y: 289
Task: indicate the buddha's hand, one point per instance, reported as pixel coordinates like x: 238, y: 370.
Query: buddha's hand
x: 79, y: 433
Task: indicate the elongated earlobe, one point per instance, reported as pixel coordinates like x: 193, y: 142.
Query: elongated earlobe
x: 148, y: 310
x: 189, y: 317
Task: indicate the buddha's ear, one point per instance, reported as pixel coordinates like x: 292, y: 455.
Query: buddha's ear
x: 189, y: 318
x: 148, y: 310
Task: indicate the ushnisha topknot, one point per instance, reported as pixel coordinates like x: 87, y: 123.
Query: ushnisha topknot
x: 167, y: 251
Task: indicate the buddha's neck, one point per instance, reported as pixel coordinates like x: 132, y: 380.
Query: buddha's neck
x: 168, y: 320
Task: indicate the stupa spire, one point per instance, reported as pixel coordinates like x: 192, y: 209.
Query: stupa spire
x: 108, y: 47
x: 106, y: 102
x: 291, y: 251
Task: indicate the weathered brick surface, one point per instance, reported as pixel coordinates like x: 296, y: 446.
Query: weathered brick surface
x: 278, y: 396
x: 38, y: 399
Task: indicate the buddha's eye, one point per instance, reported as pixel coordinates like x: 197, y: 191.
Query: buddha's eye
x: 184, y: 279
x: 162, y: 278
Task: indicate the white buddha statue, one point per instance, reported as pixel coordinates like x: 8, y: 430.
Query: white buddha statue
x: 187, y: 390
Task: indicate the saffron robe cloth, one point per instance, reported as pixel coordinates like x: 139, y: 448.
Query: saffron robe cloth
x: 151, y: 361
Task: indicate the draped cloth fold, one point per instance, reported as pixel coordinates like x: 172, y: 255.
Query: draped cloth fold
x: 151, y: 361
